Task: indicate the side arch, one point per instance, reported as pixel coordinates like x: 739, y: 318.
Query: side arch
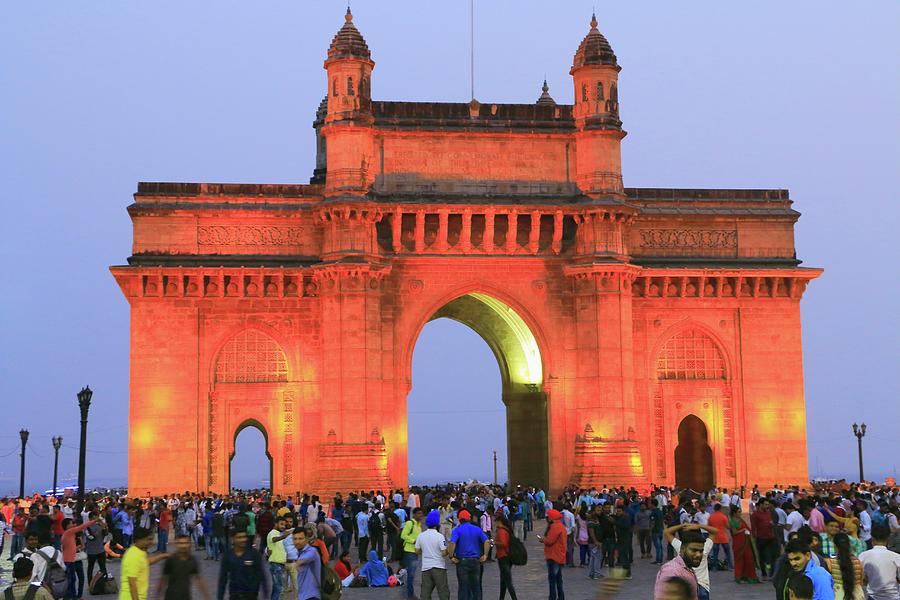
x: 694, y: 464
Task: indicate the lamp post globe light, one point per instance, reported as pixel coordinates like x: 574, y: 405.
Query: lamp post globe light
x: 23, y: 434
x: 860, y: 432
x: 84, y: 404
x: 57, y: 444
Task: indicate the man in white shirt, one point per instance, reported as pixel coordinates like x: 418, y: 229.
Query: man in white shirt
x: 865, y: 525
x: 881, y: 566
x: 795, y: 519
x: 431, y: 546
x: 34, y: 548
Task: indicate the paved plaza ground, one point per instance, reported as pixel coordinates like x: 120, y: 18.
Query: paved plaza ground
x: 530, y: 581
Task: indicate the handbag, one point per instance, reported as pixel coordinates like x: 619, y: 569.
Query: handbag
x: 80, y: 556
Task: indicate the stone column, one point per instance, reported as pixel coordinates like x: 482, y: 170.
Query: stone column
x: 420, y: 231
x: 512, y: 229
x: 488, y: 239
x: 534, y: 235
x: 465, y: 234
x: 441, y: 241
x: 396, y: 231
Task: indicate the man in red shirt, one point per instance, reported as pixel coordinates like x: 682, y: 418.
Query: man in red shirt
x: 555, y: 542
x: 761, y: 524
x: 162, y: 530
x: 720, y: 539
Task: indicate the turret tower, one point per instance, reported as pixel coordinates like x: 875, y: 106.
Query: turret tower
x: 348, y: 119
x: 595, y: 73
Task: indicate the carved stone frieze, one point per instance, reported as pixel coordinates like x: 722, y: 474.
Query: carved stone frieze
x: 249, y: 235
x: 677, y: 239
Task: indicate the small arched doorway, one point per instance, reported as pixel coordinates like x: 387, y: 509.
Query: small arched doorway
x: 246, y: 467
x: 693, y: 456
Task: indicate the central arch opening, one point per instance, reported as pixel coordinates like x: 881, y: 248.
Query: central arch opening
x: 693, y: 456
x: 459, y: 411
x: 250, y: 464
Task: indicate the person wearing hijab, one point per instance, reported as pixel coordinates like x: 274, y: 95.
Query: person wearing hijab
x: 375, y: 571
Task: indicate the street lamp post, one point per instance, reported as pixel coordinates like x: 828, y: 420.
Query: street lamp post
x: 57, y: 443
x: 860, y: 432
x: 84, y: 403
x: 23, y: 434
x: 495, y: 467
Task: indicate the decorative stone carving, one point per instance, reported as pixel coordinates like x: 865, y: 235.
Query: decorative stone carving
x: 685, y: 238
x: 247, y: 235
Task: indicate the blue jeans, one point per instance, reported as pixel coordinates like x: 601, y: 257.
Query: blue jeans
x: 410, y: 562
x: 657, y: 546
x: 555, y: 579
x: 468, y: 576
x: 211, y: 542
x: 18, y: 542
x: 75, y: 579
x: 596, y: 559
x: 162, y: 540
x: 702, y: 593
x: 277, y: 571
x: 714, y: 555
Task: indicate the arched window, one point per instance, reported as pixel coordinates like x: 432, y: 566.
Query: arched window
x: 350, y: 91
x: 690, y: 355
x: 334, y: 86
x: 251, y: 357
x: 614, y: 93
x: 599, y: 91
x: 584, y: 95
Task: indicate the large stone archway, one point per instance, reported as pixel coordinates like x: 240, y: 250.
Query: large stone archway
x: 519, y: 357
x: 510, y: 218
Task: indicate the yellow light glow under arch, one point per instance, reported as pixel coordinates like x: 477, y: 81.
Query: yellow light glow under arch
x: 527, y: 369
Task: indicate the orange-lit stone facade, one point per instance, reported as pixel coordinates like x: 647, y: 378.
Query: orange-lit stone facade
x: 643, y: 335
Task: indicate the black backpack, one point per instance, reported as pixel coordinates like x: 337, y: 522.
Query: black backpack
x: 518, y: 554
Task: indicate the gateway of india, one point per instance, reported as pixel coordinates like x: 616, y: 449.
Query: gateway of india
x: 643, y: 334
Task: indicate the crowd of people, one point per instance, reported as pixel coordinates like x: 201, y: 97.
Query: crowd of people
x: 824, y: 545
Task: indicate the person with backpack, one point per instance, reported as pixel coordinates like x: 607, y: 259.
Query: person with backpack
x: 309, y: 567
x: 24, y: 588
x: 49, y: 568
x: 502, y: 543
x: 411, y: 530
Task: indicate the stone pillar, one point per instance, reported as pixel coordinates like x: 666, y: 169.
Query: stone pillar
x: 604, y: 366
x: 534, y: 235
x: 420, y: 231
x: 556, y: 244
x: 396, y: 231
x: 512, y: 229
x: 465, y: 234
x: 441, y: 241
x: 488, y: 239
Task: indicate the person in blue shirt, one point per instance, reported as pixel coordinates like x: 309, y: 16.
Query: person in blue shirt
x: 799, y: 557
x: 309, y: 567
x: 468, y: 548
x: 362, y: 528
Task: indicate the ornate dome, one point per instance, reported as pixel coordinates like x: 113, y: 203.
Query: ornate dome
x: 348, y: 42
x: 594, y: 49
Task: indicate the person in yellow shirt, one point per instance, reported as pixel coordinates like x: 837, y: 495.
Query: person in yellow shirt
x: 411, y: 531
x: 136, y: 566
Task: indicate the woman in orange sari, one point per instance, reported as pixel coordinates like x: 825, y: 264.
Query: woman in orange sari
x: 744, y: 565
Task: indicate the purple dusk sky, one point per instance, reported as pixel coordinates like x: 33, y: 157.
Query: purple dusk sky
x: 96, y: 96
